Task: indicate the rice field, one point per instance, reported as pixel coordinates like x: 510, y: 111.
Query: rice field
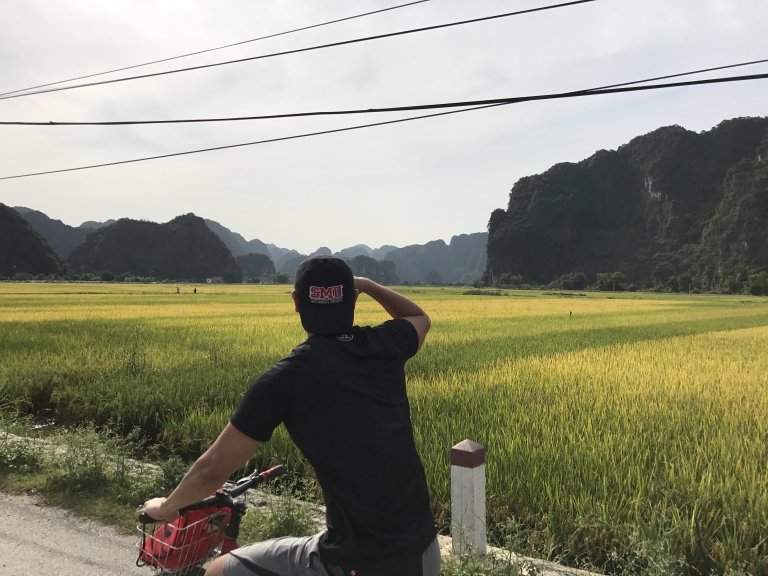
x: 620, y: 429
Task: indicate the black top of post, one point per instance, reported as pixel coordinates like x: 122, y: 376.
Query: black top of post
x: 467, y: 454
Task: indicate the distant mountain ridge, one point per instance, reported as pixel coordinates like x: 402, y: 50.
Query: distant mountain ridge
x: 182, y: 249
x: 239, y: 246
x: 460, y: 261
x: 22, y: 250
x: 60, y: 236
x: 672, y: 208
x: 463, y: 260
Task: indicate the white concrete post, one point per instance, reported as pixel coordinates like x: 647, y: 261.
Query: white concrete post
x: 468, y: 497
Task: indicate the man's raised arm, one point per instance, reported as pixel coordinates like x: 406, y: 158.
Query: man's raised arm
x: 397, y: 305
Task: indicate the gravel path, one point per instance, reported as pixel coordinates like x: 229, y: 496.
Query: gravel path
x: 38, y: 539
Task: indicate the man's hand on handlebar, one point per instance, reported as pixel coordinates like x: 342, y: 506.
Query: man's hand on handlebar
x: 154, y: 509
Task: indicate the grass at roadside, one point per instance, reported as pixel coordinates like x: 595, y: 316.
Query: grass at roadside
x: 104, y: 476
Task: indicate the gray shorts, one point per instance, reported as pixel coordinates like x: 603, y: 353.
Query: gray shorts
x: 301, y: 557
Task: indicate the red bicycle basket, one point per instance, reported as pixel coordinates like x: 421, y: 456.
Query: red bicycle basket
x: 190, y: 539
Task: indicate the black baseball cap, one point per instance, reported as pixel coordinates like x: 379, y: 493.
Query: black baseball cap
x: 326, y: 290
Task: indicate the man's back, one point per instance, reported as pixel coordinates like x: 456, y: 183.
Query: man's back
x: 343, y: 401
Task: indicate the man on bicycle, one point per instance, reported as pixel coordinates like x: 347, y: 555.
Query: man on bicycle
x: 341, y: 395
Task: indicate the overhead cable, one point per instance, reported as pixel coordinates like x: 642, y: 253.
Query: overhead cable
x: 410, y: 108
x: 501, y: 102
x: 299, y: 50
x: 216, y: 48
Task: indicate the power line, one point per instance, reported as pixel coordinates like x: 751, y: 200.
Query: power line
x: 502, y: 102
x: 681, y: 74
x: 410, y: 108
x: 216, y: 48
x: 283, y: 138
x: 307, y: 49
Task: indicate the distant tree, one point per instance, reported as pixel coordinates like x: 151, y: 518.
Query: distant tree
x: 685, y: 282
x: 610, y: 281
x: 280, y: 278
x: 571, y: 281
x: 758, y: 284
x: 508, y: 280
x: 673, y: 284
x: 731, y: 284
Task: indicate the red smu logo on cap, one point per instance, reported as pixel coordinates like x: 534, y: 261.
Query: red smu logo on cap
x: 326, y: 294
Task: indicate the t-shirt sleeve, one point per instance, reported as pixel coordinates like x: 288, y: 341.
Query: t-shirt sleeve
x: 403, y: 335
x: 262, y: 408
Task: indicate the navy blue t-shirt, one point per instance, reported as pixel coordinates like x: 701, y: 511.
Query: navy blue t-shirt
x: 343, y: 400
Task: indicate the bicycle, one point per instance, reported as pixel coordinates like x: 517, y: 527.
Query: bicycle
x: 202, y: 530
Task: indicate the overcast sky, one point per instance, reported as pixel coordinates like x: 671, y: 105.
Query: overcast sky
x: 401, y: 184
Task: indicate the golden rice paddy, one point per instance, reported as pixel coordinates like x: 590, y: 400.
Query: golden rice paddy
x: 603, y: 414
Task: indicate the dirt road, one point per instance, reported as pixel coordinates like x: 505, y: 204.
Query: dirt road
x: 37, y: 539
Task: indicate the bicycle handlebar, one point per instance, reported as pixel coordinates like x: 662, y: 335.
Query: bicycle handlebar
x: 257, y: 478
x: 226, y: 496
